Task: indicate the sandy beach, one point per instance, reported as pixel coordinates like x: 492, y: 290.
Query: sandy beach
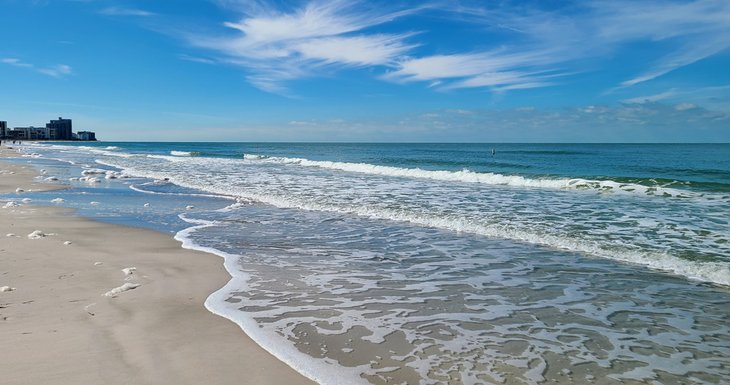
x: 57, y: 326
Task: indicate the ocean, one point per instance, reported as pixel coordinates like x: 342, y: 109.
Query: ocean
x: 442, y: 263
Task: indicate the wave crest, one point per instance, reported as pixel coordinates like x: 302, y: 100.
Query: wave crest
x: 468, y: 176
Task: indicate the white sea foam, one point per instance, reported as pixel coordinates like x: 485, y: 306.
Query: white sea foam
x: 138, y: 189
x: 324, y: 372
x: 93, y: 171
x: 714, y: 272
x: 356, y: 307
x: 121, y: 289
x: 184, y: 153
x: 37, y: 235
x: 467, y: 176
x: 254, y: 157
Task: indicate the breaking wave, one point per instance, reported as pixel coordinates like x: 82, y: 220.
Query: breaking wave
x: 468, y: 176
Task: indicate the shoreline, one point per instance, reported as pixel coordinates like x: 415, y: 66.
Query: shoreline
x: 58, y: 327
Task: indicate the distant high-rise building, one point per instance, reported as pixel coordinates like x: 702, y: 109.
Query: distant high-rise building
x: 86, y: 135
x: 60, y: 129
x: 30, y: 133
x: 3, y: 129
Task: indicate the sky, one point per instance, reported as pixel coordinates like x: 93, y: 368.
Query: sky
x: 370, y: 71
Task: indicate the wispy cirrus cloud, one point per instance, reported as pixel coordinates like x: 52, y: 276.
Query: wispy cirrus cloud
x: 57, y: 71
x: 545, y: 42
x: 497, y: 70
x: 696, y: 29
x: 522, y: 46
x: 121, y: 11
x: 15, y: 62
x: 277, y: 45
x: 715, y: 97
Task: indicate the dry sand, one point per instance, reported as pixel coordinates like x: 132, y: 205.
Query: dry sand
x: 57, y: 327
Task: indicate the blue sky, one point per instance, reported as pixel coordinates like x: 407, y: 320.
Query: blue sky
x: 465, y: 71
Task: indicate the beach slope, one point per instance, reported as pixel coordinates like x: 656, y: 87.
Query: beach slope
x: 57, y: 326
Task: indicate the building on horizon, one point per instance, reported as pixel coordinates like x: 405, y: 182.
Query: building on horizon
x: 86, y: 136
x: 61, y: 129
x: 29, y: 133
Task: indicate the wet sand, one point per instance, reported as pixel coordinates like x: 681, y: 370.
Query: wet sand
x: 58, y: 327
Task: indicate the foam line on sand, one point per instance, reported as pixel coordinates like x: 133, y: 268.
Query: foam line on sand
x: 63, y: 332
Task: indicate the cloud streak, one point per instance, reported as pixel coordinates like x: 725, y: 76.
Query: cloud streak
x: 546, y: 41
x: 276, y: 46
x: 521, y: 46
x: 697, y: 29
x: 121, y: 11
x: 498, y: 70
x: 715, y: 97
x: 56, y: 71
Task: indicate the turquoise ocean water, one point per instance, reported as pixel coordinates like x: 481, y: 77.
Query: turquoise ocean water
x: 443, y: 263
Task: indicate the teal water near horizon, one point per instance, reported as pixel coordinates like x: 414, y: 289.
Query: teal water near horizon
x: 649, y: 163
x: 444, y: 263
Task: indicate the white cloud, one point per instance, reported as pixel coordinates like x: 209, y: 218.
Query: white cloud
x: 694, y: 30
x: 497, y: 69
x: 16, y: 62
x: 57, y: 70
x: 652, y: 98
x: 276, y: 45
x: 197, y: 59
x: 523, y: 86
x: 547, y: 41
x: 688, y: 55
x: 685, y: 106
x: 277, y: 42
x: 714, y: 97
x: 443, y: 67
x: 302, y: 123
x: 356, y: 50
x: 120, y: 11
